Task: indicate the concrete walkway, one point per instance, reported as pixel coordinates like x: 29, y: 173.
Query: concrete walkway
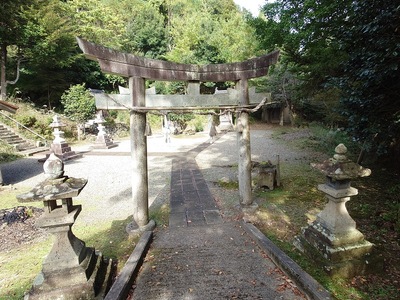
x: 199, y: 256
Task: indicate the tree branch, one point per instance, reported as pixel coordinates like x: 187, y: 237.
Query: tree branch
x: 18, y: 69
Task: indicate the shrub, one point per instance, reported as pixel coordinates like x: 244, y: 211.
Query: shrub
x: 26, y: 120
x: 79, y: 104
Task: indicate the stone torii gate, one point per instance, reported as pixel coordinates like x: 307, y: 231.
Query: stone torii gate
x: 138, y: 69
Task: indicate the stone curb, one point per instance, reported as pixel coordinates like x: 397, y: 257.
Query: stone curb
x: 303, y: 280
x: 124, y: 281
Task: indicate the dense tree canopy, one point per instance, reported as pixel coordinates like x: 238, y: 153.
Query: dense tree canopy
x: 345, y: 56
x: 339, y: 59
x: 371, y: 79
x: 14, y: 36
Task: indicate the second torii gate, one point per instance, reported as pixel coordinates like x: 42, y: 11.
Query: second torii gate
x: 138, y: 69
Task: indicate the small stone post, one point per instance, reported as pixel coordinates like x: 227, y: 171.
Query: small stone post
x: 333, y: 239
x: 70, y: 270
x: 103, y: 140
x: 59, y: 146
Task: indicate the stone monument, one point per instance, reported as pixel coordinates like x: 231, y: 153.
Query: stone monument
x: 333, y: 239
x: 71, y: 270
x: 103, y: 140
x: 59, y: 146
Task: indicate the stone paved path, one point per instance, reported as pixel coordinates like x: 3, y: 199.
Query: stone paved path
x: 191, y: 201
x: 199, y: 256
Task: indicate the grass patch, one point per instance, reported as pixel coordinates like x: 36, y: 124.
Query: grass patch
x: 9, y: 198
x: 7, y: 153
x: 19, y: 267
x: 230, y: 185
x: 338, y: 287
x: 110, y: 238
x: 160, y: 215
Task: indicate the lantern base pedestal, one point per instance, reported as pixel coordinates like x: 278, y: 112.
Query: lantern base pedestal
x: 91, y: 280
x: 343, y: 260
x: 104, y: 142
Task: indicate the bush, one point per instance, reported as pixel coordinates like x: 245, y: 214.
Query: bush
x: 328, y: 139
x: 26, y: 120
x: 78, y: 103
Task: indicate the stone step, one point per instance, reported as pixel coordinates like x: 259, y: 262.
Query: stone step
x: 23, y: 146
x: 35, y: 150
x: 11, y: 138
x: 14, y: 142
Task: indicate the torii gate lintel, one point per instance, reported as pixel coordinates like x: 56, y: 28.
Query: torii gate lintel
x: 137, y: 69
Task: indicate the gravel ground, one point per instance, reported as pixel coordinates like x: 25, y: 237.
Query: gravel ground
x: 108, y: 192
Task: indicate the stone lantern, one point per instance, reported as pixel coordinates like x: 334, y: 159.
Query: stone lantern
x: 59, y: 146
x: 333, y: 239
x: 103, y: 140
x: 71, y: 270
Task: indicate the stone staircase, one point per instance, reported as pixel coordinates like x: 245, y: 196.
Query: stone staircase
x: 20, y: 144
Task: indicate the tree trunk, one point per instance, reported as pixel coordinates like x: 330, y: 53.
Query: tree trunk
x: 3, y: 80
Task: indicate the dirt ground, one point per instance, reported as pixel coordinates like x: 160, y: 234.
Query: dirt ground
x: 20, y: 228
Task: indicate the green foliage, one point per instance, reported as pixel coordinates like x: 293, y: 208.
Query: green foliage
x: 199, y: 123
x: 371, y: 79
x: 146, y: 34
x: 7, y: 153
x: 185, y: 31
x: 26, y: 120
x: 344, y: 56
x: 155, y: 122
x: 181, y: 119
x: 96, y: 21
x: 204, y: 32
x: 78, y: 103
x: 325, y: 140
x: 170, y: 87
x: 160, y: 215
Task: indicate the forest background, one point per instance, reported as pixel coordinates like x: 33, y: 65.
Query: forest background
x: 339, y: 62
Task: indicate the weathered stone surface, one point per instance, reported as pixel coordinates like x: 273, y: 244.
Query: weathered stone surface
x: 53, y: 167
x: 264, y: 175
x: 70, y: 270
x: 341, y: 168
x: 192, y: 99
x: 129, y: 65
x: 333, y: 235
x: 103, y: 140
x: 59, y: 146
x: 64, y: 187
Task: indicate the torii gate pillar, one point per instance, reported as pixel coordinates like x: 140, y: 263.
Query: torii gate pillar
x: 139, y: 156
x: 243, y: 140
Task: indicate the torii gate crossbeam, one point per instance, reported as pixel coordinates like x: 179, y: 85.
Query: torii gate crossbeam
x: 137, y: 69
